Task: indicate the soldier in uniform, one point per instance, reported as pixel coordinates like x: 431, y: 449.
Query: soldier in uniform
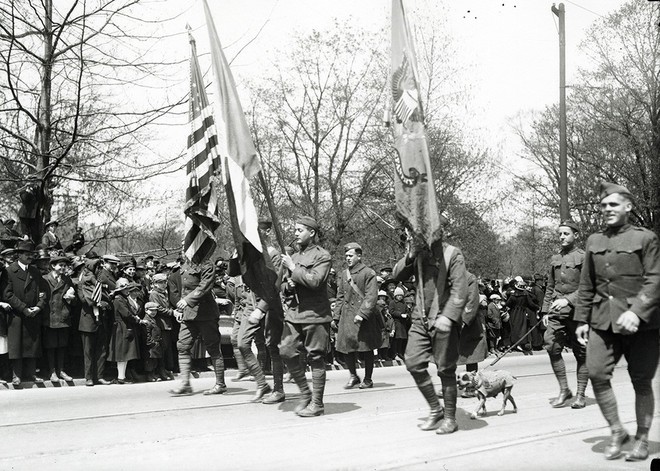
x: 558, y: 310
x: 269, y: 322
x: 436, y: 323
x: 618, y: 312
x: 357, y: 319
x: 308, y: 317
x: 198, y: 314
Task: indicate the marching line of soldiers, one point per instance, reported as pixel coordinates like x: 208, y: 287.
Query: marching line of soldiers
x: 603, y: 303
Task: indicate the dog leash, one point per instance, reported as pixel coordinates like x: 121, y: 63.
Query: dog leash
x: 508, y: 350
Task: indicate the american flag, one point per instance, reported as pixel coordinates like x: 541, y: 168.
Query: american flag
x: 96, y: 295
x: 203, y: 162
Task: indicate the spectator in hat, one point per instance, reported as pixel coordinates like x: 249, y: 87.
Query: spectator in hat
x: 8, y: 256
x: 165, y: 320
x: 27, y: 213
x: 42, y: 259
x: 401, y: 316
x: 109, y: 272
x: 520, y: 303
x: 493, y: 322
x: 123, y: 338
x: 50, y: 238
x: 92, y: 326
x: 155, y: 343
x: 57, y: 320
x: 9, y: 229
x: 388, y: 332
x: 23, y: 288
x: 79, y: 238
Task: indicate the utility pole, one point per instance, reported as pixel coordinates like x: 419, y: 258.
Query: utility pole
x: 564, y: 212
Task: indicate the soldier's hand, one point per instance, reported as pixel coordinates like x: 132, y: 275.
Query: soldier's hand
x: 629, y: 323
x: 582, y: 334
x: 287, y: 261
x: 358, y: 320
x: 255, y: 316
x: 178, y: 315
x: 181, y: 305
x: 442, y: 323
x: 559, y: 304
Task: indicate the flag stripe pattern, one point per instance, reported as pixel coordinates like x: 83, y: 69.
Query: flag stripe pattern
x: 203, y: 163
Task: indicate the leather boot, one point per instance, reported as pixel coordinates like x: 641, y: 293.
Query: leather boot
x: 579, y: 402
x: 184, y: 375
x: 261, y: 392
x: 450, y: 393
x: 613, y: 449
x: 315, y: 408
x: 220, y: 387
x: 639, y: 451
x: 354, y: 380
x: 425, y: 386
x: 560, y: 401
x: 298, y: 376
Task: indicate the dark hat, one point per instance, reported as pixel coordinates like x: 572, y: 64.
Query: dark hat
x: 147, y: 257
x: 10, y: 221
x: 388, y: 281
x: 569, y: 223
x: 76, y: 264
x: 352, y: 246
x: 51, y: 223
x: 58, y: 259
x: 24, y: 246
x: 607, y: 189
x: 91, y: 255
x: 386, y: 268
x: 309, y: 222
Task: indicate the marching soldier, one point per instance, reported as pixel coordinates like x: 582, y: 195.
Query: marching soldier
x: 618, y: 312
x: 558, y: 310
x: 436, y: 323
x: 308, y: 317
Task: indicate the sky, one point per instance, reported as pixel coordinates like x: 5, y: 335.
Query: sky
x: 509, y: 49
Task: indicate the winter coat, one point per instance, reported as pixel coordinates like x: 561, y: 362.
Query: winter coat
x: 368, y: 335
x: 124, y: 336
x: 58, y: 314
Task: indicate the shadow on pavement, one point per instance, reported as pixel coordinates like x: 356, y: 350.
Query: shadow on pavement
x: 601, y: 442
x: 465, y: 422
x: 330, y: 407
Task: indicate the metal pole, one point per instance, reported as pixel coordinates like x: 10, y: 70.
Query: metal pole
x: 564, y: 212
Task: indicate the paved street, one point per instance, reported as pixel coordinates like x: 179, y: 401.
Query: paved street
x: 141, y: 427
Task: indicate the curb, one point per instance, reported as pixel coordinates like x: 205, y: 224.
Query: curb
x: 202, y: 374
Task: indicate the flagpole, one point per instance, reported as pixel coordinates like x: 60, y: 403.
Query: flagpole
x: 271, y: 210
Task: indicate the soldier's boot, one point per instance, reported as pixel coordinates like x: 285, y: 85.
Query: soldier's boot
x: 254, y: 369
x: 184, y: 388
x: 278, y: 378
x: 298, y: 376
x: 425, y: 386
x: 315, y: 408
x: 582, y: 380
x: 644, y: 405
x: 608, y: 407
x: 219, y: 367
x: 559, y: 368
x: 243, y: 372
x: 450, y: 393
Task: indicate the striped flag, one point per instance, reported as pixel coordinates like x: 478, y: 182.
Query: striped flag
x: 203, y: 163
x: 97, y: 293
x: 414, y: 190
x: 240, y: 163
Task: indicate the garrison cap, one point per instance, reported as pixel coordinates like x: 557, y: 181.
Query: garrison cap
x: 570, y: 223
x: 607, y: 189
x: 111, y: 258
x: 352, y: 246
x: 309, y: 222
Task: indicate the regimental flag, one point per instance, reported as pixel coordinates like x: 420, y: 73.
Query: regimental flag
x: 413, y: 185
x: 203, y: 162
x: 240, y: 163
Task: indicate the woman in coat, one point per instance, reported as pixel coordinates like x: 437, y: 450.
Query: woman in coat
x: 123, y: 340
x: 519, y: 303
x: 356, y: 316
x: 401, y: 315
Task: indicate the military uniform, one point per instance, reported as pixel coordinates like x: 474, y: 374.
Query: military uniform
x: 200, y: 317
x: 563, y: 282
x: 307, y: 323
x: 442, y: 291
x: 621, y: 273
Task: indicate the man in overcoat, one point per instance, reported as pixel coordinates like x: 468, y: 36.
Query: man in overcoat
x: 308, y: 317
x: 359, y: 324
x: 618, y: 312
x: 198, y: 314
x: 24, y: 290
x: 436, y: 322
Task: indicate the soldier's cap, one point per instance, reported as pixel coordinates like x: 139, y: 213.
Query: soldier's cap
x: 150, y: 305
x: 51, y: 223
x: 382, y: 293
x: 91, y: 255
x: 569, y: 223
x: 111, y: 258
x: 495, y: 297
x: 607, y: 189
x: 352, y: 246
x: 159, y: 277
x: 9, y: 251
x: 309, y: 222
x: 77, y: 264
x: 60, y: 259
x: 24, y: 246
